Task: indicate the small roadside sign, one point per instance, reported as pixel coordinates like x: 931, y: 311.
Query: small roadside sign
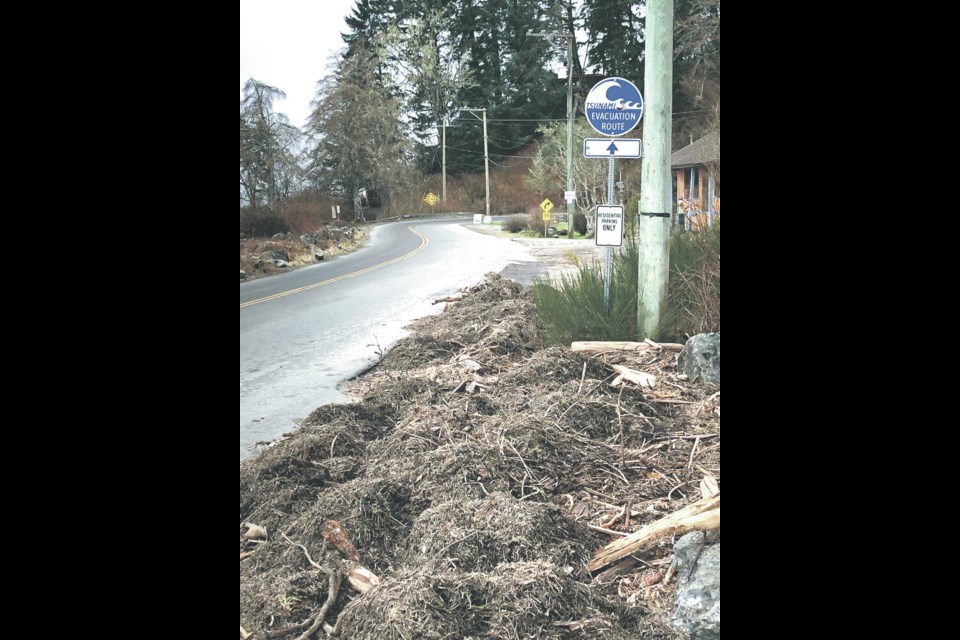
x: 612, y: 148
x: 570, y: 196
x: 609, y: 226
x: 546, y: 206
x: 431, y: 199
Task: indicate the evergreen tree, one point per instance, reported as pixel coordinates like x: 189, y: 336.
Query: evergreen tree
x: 614, y: 38
x: 356, y: 126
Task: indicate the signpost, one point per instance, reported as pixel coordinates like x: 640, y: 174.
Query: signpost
x: 613, y: 107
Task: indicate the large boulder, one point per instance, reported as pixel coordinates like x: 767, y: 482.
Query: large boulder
x: 700, y: 358
x: 697, y: 611
x: 275, y: 254
x: 309, y: 239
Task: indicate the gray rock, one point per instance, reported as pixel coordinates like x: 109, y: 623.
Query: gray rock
x: 277, y: 236
x: 308, y: 239
x: 275, y: 254
x: 318, y: 255
x: 700, y: 358
x: 280, y: 263
x: 243, y: 274
x: 697, y: 610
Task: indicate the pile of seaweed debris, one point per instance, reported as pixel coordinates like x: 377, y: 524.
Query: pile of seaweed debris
x: 470, y: 486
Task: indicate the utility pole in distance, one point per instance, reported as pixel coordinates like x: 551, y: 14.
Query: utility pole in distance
x: 444, y: 199
x: 571, y: 205
x: 486, y: 156
x: 655, y: 187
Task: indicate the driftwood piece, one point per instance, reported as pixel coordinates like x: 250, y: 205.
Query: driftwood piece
x: 454, y: 298
x: 702, y: 515
x: 335, y: 535
x: 255, y: 532
x: 709, y: 486
x: 590, y: 346
x: 636, y: 377
x: 359, y: 577
x: 362, y: 579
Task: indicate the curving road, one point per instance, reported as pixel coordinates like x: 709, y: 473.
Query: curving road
x: 303, y: 332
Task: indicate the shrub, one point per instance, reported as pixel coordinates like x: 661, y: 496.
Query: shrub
x: 694, y: 296
x: 515, y: 224
x: 580, y: 223
x: 261, y: 223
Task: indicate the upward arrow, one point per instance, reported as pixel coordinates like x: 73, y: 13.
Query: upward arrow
x: 612, y: 148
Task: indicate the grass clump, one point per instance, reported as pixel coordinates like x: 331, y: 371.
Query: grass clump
x: 572, y: 307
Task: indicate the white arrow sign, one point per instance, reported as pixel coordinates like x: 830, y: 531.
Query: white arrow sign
x: 612, y: 148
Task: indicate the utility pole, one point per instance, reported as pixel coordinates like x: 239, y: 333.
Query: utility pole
x: 655, y: 188
x: 571, y: 205
x: 486, y: 156
x: 486, y: 159
x: 444, y: 199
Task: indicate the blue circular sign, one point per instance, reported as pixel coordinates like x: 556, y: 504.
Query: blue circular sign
x: 614, y: 106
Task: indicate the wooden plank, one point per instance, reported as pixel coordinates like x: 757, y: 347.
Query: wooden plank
x: 588, y: 346
x: 702, y: 515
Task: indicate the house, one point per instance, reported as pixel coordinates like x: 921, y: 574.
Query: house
x: 697, y: 170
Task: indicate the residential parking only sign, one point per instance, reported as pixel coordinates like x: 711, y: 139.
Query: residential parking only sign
x: 614, y: 106
x: 609, y: 226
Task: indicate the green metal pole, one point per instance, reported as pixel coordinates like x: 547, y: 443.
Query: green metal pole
x: 655, y: 188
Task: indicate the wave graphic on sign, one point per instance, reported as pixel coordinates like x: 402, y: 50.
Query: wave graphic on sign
x: 621, y: 95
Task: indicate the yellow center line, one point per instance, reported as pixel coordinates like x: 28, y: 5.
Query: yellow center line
x: 423, y: 245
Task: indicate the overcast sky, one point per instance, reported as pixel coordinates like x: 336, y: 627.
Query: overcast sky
x: 287, y: 44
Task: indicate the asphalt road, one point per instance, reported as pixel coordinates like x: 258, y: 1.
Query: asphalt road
x: 303, y: 332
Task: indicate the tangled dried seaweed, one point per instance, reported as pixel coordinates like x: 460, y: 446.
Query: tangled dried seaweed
x: 473, y: 477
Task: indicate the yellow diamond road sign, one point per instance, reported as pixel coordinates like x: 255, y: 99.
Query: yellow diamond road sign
x: 546, y: 205
x: 431, y: 199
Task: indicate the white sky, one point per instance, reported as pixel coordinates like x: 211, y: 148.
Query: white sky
x: 287, y: 44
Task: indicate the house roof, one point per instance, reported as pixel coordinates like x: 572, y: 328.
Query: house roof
x: 703, y: 151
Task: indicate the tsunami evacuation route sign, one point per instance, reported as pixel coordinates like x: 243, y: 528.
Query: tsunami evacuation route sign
x: 614, y: 106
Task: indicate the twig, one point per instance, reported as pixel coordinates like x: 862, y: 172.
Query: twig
x: 610, y: 531
x: 522, y: 461
x: 670, y: 495
x: 704, y: 404
x: 614, y: 518
x: 599, y: 495
x: 306, y: 553
x: 333, y: 588
x: 623, y: 444
x: 693, y: 452
x: 583, y: 378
